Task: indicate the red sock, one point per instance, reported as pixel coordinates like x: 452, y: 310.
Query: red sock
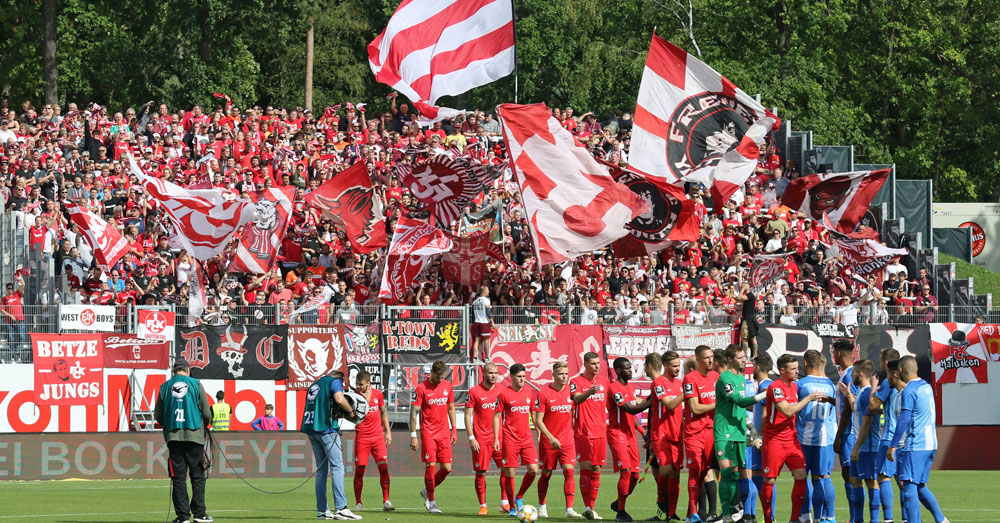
x: 695, y: 475
x: 359, y: 482
x: 529, y: 478
x: 585, y: 475
x: 503, y: 490
x: 798, y: 495
x: 508, y: 487
x: 481, y: 486
x: 543, y: 487
x: 662, y: 485
x: 623, y: 479
x: 633, y: 480
x: 673, y: 493
x: 429, y: 482
x: 768, y: 494
x: 569, y: 487
x: 595, y: 485
x: 440, y: 475
x: 383, y: 479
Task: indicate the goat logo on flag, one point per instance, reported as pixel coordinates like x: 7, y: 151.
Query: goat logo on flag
x: 261, y: 238
x: 960, y: 353
x: 446, y: 184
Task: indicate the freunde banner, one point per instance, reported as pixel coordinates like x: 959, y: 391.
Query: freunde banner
x: 634, y: 343
x: 69, y: 369
x: 234, y: 352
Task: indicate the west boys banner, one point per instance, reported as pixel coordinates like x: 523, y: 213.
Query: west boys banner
x: 69, y: 369
x: 314, y: 352
x: 428, y: 337
x: 129, y: 351
x: 960, y: 352
x: 155, y: 325
x: 234, y: 352
x: 262, y: 237
x: 569, y: 344
x: 634, y: 343
x: 465, y: 263
x: 349, y: 199
x: 106, y: 242
x: 447, y: 185
x: 845, y: 197
x: 87, y: 317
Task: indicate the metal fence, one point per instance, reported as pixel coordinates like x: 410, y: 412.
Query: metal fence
x: 905, y: 315
x: 577, y: 315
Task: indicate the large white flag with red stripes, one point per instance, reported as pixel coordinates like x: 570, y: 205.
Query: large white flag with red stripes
x: 687, y: 117
x: 431, y: 49
x: 107, y: 243
x: 573, y: 205
x: 204, y: 220
x: 258, y: 248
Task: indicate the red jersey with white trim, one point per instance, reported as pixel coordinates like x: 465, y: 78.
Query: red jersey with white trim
x: 702, y: 387
x: 591, y: 419
x: 621, y: 424
x: 779, y: 426
x: 484, y: 405
x: 663, y: 422
x: 370, y: 427
x: 433, y: 401
x: 556, y: 407
x: 516, y: 409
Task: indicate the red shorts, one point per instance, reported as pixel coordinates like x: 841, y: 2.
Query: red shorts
x: 624, y: 453
x: 365, y: 447
x: 594, y: 450
x: 564, y: 455
x: 481, y: 330
x: 435, y: 450
x: 774, y: 454
x: 481, y: 459
x: 518, y: 453
x: 668, y: 452
x: 699, y: 449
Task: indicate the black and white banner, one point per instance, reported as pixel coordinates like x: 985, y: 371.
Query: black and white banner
x: 234, y: 352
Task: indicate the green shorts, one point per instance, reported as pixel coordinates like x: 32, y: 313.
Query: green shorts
x: 734, y: 451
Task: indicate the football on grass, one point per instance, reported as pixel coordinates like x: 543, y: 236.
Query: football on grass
x: 528, y: 514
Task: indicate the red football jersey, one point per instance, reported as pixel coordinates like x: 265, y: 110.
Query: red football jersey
x: 516, y: 409
x: 779, y: 426
x: 433, y: 402
x: 591, y: 418
x: 370, y: 427
x: 620, y: 423
x: 484, y: 405
x: 702, y: 387
x: 556, y: 407
x: 663, y: 422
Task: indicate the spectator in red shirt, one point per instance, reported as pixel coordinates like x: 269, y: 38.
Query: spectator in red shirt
x: 12, y: 312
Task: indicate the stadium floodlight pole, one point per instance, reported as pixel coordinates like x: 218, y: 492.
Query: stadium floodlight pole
x: 513, y: 21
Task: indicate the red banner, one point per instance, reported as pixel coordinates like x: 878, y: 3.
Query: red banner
x: 567, y: 343
x: 351, y: 202
x: 466, y: 262
x: 960, y: 352
x: 766, y: 269
x: 634, y: 343
x: 314, y: 351
x: 129, y: 351
x: 107, y: 243
x: 69, y: 369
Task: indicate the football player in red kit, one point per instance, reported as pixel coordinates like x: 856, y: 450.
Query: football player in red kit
x: 590, y: 392
x: 622, y: 430
x: 372, y: 436
x: 479, y: 411
x: 512, y: 435
x: 699, y: 441
x: 666, y: 417
x: 434, y: 403
x: 554, y: 420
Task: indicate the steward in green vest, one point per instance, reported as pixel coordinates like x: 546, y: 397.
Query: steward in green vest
x: 182, y: 410
x: 221, y: 412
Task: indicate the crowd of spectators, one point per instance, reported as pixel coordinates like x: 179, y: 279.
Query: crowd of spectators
x: 50, y: 156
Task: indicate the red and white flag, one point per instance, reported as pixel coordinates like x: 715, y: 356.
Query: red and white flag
x: 465, y: 264
x: 844, y: 197
x: 738, y: 164
x: 349, y: 199
x: 687, y: 117
x: 196, y: 294
x: 413, y: 243
x: 204, y: 220
x: 861, y: 253
x: 107, y: 243
x: 447, y: 184
x: 433, y: 49
x: 961, y: 352
x: 262, y: 237
x: 573, y: 205
x: 767, y: 268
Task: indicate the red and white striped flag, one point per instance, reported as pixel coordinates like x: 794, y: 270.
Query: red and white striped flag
x: 687, y: 117
x: 196, y: 294
x: 107, y: 243
x: 204, y: 220
x: 446, y: 47
x: 466, y: 263
x: 262, y: 237
x: 448, y: 184
x: 413, y: 243
x: 573, y: 205
x: 843, y: 197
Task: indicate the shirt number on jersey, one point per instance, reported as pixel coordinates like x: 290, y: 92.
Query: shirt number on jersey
x: 179, y: 415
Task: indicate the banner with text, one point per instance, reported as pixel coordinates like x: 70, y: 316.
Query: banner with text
x: 129, y: 351
x: 687, y: 337
x: 155, y: 325
x: 634, y: 343
x: 363, y: 353
x: 69, y: 369
x: 960, y: 352
x: 237, y: 352
x: 569, y: 343
x: 87, y: 317
x: 428, y: 337
x: 315, y: 351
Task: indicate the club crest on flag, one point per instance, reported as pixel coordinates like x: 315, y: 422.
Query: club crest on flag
x: 658, y: 221
x: 703, y: 128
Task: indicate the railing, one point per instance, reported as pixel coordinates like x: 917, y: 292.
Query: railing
x: 879, y: 314
x: 577, y: 315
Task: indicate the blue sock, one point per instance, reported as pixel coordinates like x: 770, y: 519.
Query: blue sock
x: 873, y: 504
x: 748, y: 494
x: 849, y: 492
x: 829, y: 499
x: 807, y: 502
x: 930, y: 501
x: 912, y: 500
x: 885, y: 495
x: 818, y: 497
x: 858, y: 497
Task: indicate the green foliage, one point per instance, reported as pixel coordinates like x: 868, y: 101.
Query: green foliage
x: 986, y: 281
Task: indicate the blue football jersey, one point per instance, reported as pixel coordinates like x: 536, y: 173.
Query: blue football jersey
x: 750, y: 388
x: 890, y: 413
x: 848, y: 378
x: 758, y: 408
x: 861, y: 403
x: 816, y: 424
x: 921, y: 434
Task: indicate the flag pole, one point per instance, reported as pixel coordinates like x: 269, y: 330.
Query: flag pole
x: 513, y: 18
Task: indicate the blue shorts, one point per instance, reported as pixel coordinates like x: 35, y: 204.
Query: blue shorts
x: 915, y: 465
x: 864, y: 468
x: 845, y: 451
x: 819, y: 459
x: 882, y: 465
x: 754, y: 460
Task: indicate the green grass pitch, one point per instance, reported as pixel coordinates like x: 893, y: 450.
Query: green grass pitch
x: 963, y: 495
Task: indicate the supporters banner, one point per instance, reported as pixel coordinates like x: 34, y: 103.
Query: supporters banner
x: 261, y: 239
x: 844, y: 197
x: 573, y: 205
x: 960, y: 353
x: 413, y: 243
x: 569, y: 344
x: 105, y: 241
x: 634, y: 343
x: 687, y: 117
x: 465, y: 263
x: 69, y: 369
x: 234, y: 352
x: 364, y: 353
x: 431, y: 49
x: 155, y: 325
x: 87, y: 317
x: 129, y: 351
x: 767, y: 268
x: 315, y: 351
x: 447, y: 184
x: 687, y: 337
x: 429, y: 337
x: 349, y: 199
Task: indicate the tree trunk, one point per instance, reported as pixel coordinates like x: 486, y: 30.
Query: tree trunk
x: 309, y: 65
x: 51, y: 71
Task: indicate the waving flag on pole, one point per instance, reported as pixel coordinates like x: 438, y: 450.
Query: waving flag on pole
x: 843, y: 197
x: 687, y: 117
x: 432, y: 49
x: 204, y: 220
x: 572, y: 205
x: 862, y: 253
x: 262, y: 237
x: 466, y: 263
x: 447, y: 185
x: 196, y: 294
x: 107, y: 243
x: 413, y: 243
x: 349, y: 199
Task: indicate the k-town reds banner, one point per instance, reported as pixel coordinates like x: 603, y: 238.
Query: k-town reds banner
x: 155, y: 325
x: 129, y: 351
x: 315, y: 351
x: 234, y: 352
x: 69, y: 369
x: 87, y: 317
x: 429, y: 337
x: 961, y: 352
